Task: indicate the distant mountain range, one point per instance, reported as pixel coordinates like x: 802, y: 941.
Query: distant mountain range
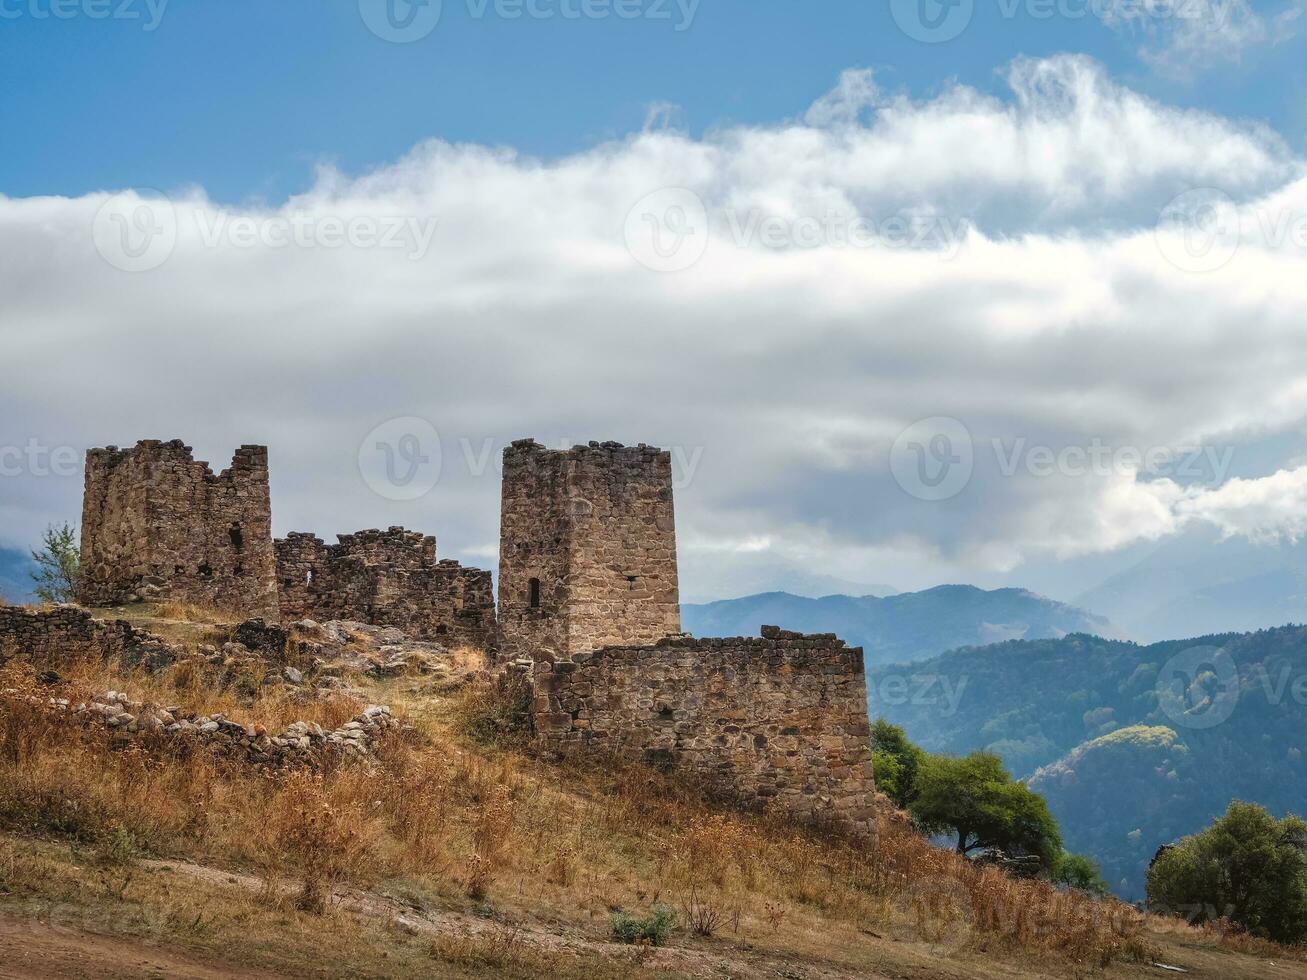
x: 900, y: 628
x: 1131, y: 745
x: 15, y: 578
x: 1198, y: 583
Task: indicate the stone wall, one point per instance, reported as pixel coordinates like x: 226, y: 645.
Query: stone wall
x: 778, y: 721
x: 587, y: 548
x: 302, y: 744
x: 386, y: 578
x: 158, y: 523
x: 59, y: 634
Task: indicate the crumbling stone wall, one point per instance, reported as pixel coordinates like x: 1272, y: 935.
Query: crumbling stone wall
x: 386, y: 578
x: 59, y: 634
x: 587, y: 553
x: 778, y: 721
x: 303, y: 744
x: 158, y: 523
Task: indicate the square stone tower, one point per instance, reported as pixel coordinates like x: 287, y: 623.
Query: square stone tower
x: 157, y: 522
x: 587, y: 548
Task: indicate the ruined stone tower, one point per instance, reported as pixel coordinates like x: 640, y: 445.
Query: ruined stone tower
x: 157, y: 522
x: 587, y: 548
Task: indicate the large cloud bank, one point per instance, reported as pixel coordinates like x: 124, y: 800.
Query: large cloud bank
x: 1094, y: 300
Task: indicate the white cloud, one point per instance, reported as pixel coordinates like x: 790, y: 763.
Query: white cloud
x: 1191, y: 36
x: 1042, y: 308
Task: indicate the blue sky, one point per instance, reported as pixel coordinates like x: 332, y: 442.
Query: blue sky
x: 245, y: 97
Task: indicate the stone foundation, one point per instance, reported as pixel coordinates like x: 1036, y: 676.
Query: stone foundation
x: 773, y: 722
x: 60, y: 634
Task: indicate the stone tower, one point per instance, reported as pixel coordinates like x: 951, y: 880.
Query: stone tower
x: 587, y: 548
x: 157, y: 522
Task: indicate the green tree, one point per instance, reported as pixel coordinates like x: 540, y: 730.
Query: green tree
x: 1247, y: 867
x: 1078, y: 871
x: 896, y: 761
x: 977, y: 799
x: 57, y: 564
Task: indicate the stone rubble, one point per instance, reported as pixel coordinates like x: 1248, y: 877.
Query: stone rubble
x: 375, y: 651
x: 301, y: 744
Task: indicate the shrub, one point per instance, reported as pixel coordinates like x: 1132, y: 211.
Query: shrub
x: 1247, y: 867
x: 497, y: 712
x: 653, y: 929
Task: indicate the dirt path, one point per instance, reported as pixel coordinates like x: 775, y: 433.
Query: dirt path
x: 729, y: 960
x: 31, y: 950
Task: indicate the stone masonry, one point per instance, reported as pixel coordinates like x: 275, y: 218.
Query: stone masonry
x: 62, y: 634
x: 778, y: 721
x: 386, y: 578
x: 157, y: 522
x: 587, y: 552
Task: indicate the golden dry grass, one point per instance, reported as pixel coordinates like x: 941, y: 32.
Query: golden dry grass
x: 457, y: 814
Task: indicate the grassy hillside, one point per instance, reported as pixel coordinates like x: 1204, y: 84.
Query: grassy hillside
x: 900, y: 628
x: 1129, y: 760
x: 459, y: 853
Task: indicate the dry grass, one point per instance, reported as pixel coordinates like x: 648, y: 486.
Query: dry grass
x: 189, y: 612
x: 459, y: 815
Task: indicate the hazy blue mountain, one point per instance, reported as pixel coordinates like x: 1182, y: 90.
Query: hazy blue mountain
x: 15, y: 581
x: 899, y: 628
x: 1198, y: 583
x: 1127, y: 759
x: 714, y: 575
